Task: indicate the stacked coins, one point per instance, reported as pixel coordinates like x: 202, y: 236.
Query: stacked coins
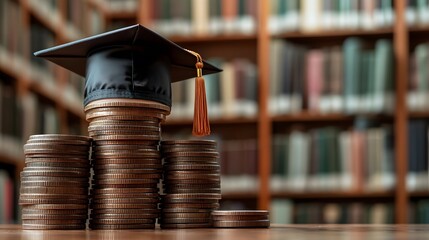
x: 127, y: 163
x: 191, y: 183
x: 54, y: 183
x: 241, y: 219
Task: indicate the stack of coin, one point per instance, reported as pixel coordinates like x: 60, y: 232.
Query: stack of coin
x: 127, y: 163
x: 54, y: 183
x: 191, y: 183
x: 241, y: 219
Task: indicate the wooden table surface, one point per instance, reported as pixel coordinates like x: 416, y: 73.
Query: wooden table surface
x: 280, y: 232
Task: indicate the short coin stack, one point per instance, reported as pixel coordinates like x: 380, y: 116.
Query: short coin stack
x: 54, y: 183
x: 191, y: 183
x: 127, y: 163
x: 241, y: 219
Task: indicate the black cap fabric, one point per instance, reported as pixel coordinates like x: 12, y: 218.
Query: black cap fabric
x: 131, y: 62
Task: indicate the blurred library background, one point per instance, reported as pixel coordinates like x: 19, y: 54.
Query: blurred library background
x: 321, y: 112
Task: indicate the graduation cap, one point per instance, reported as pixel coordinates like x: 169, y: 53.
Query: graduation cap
x: 134, y: 62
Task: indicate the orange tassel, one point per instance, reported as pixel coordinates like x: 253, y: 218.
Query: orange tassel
x: 201, y: 120
x: 201, y: 126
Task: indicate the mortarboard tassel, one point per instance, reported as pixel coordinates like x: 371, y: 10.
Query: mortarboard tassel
x: 201, y: 126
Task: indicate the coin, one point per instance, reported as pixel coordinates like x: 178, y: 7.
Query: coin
x: 189, y: 142
x: 124, y: 200
x: 120, y: 221
x: 125, y: 211
x: 111, y: 122
x: 193, y: 196
x: 68, y: 200
x: 53, y: 227
x: 193, y: 182
x: 125, y: 205
x: 186, y: 159
x: 121, y: 226
x: 191, y: 205
x: 61, y: 212
x: 53, y: 183
x: 59, y: 137
x: 125, y: 216
x: 58, y: 160
x: 53, y: 190
x: 132, y: 161
x: 126, y: 137
x: 125, y: 181
x: 54, y: 221
x: 191, y: 190
x: 242, y: 224
x: 54, y: 173
x: 126, y: 103
x: 238, y: 217
x: 59, y: 206
x: 125, y: 147
x: 194, y: 154
x: 146, y: 185
x: 184, y: 220
x: 240, y: 212
x: 120, y: 191
x: 128, y: 171
x: 127, y: 166
x: 129, y: 176
x: 184, y: 226
x: 184, y: 200
x: 191, y: 167
x: 26, y: 216
x: 186, y: 215
x: 101, y: 142
x: 126, y: 127
x: 81, y: 165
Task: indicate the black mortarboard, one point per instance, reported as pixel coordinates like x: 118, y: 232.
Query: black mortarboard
x: 131, y: 62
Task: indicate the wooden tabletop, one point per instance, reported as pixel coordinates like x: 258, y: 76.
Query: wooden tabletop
x: 280, y: 232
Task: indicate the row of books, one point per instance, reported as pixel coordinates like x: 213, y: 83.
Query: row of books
x: 10, y: 120
x: 316, y: 16
x: 7, y: 199
x: 353, y: 78
x: 284, y: 211
x: 119, y: 5
x: 418, y: 174
x: 12, y: 39
x: 418, y: 85
x: 232, y: 93
x: 239, y: 165
x: 203, y: 17
x: 328, y: 159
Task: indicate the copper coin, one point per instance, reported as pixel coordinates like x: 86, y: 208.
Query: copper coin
x: 40, y: 196
x: 124, y: 115
x: 57, y: 155
x: 139, y: 161
x: 184, y: 220
x: 61, y: 212
x: 239, y: 217
x: 240, y: 213
x: 193, y: 196
x: 59, y: 137
x: 203, y: 160
x: 54, y: 173
x: 128, y: 119
x: 57, y: 160
x: 242, y: 224
x: 210, y: 181
x: 191, y: 190
x: 194, y: 154
x: 53, y: 190
x: 60, y: 164
x: 53, y: 227
x: 185, y: 225
x: 54, y: 153
x: 59, y: 206
x: 127, y: 171
x: 125, y: 211
x: 62, y: 142
x: 124, y: 200
x: 192, y: 172
x: 126, y: 137
x: 54, y: 221
x: 127, y: 142
x: 191, y: 215
x: 146, y: 185
x: 192, y: 186
x: 189, y: 142
x: 126, y: 127
x: 120, y: 191
x: 126, y: 102
x: 127, y: 166
x: 190, y: 205
x: 125, y: 147
x: 184, y: 200
x: 125, y: 216
x: 53, y: 178
x: 112, y: 122
x: 125, y: 181
x: 168, y: 150
x: 56, y: 147
x: 127, y: 176
x: 205, y: 177
x: 121, y: 221
x: 126, y: 195
x: 192, y: 167
x: 121, y: 226
x: 127, y: 154
x: 28, y: 201
x: 53, y: 217
x: 184, y: 210
x: 124, y: 205
x: 51, y: 183
x: 100, y: 134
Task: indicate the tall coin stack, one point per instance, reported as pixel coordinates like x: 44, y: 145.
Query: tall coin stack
x: 191, y: 183
x: 54, y: 183
x: 127, y: 163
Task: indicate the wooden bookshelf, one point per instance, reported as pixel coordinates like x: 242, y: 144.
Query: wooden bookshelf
x: 384, y: 32
x: 334, y: 196
x: 215, y: 121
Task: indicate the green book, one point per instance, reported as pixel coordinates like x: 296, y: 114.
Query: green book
x: 352, y: 49
x: 384, y: 80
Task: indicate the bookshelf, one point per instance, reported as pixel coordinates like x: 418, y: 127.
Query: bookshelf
x: 255, y: 47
